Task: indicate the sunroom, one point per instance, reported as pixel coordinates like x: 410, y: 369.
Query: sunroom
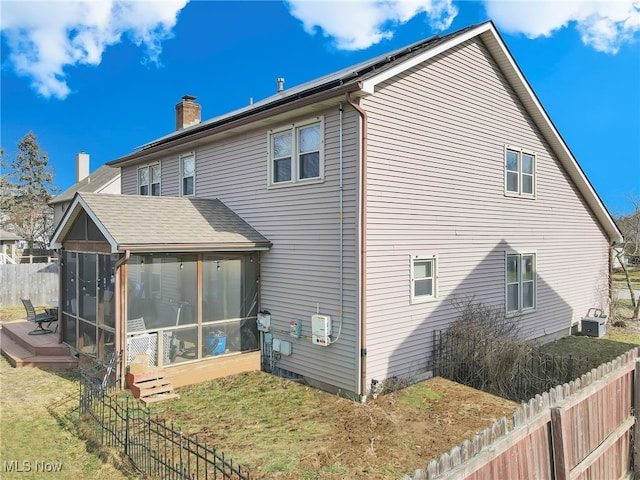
x: 174, y: 278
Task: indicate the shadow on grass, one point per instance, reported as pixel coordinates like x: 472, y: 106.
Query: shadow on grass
x: 66, y: 412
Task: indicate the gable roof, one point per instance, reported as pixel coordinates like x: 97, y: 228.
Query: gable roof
x: 5, y: 235
x: 95, y: 182
x: 362, y: 79
x: 145, y: 223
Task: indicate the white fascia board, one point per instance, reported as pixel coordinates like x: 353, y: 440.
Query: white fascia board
x: 66, y: 222
x: 370, y: 84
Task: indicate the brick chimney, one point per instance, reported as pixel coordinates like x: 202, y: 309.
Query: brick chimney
x: 187, y: 112
x: 82, y: 166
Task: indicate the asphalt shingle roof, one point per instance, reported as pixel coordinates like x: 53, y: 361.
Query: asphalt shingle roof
x: 136, y: 221
x: 92, y: 183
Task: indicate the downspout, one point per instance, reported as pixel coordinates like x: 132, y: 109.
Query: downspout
x: 363, y: 245
x: 120, y: 312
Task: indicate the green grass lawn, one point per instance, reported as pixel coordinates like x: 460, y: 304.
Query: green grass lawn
x: 35, y: 442
x: 619, y: 277
x: 279, y: 427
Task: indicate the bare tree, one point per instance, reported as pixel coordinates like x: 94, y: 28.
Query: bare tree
x: 27, y: 188
x: 630, y: 227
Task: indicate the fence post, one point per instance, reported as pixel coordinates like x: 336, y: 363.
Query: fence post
x: 126, y: 429
x: 560, y: 442
x: 182, y: 471
x: 636, y: 411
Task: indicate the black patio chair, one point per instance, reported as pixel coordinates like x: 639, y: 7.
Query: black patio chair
x: 47, y: 316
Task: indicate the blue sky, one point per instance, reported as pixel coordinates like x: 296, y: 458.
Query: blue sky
x: 103, y: 77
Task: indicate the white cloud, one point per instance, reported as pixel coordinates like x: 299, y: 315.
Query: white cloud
x: 358, y: 24
x: 47, y: 37
x: 604, y: 25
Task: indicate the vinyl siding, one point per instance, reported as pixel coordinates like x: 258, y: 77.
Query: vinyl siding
x: 436, y: 186
x: 301, y: 272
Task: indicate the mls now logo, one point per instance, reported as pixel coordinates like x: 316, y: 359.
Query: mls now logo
x: 28, y: 466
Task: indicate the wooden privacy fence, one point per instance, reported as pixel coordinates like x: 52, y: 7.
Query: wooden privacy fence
x: 37, y: 281
x: 585, y: 429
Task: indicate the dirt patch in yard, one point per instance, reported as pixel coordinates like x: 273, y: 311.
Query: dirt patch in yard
x: 309, y: 434
x: 402, y: 431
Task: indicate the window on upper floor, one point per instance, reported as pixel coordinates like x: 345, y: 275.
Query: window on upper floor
x: 519, y: 172
x: 296, y: 154
x: 149, y: 180
x: 521, y: 282
x: 187, y: 175
x: 423, y: 278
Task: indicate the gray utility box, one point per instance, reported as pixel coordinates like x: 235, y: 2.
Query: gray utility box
x: 594, y: 327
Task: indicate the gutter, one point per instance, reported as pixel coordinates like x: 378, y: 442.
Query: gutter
x: 244, y: 118
x: 363, y: 245
x: 193, y: 247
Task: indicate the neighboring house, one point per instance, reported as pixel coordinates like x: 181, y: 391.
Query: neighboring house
x: 105, y: 179
x: 350, y: 211
x: 8, y: 245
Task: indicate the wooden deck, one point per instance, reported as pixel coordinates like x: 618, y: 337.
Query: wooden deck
x: 46, y: 351
x: 211, y: 368
x: 42, y: 351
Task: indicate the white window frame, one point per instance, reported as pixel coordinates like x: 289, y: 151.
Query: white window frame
x: 433, y: 259
x: 149, y: 184
x: 294, y: 130
x: 520, y: 173
x: 184, y: 157
x: 520, y: 281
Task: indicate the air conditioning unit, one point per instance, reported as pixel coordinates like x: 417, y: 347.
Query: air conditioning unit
x: 594, y: 324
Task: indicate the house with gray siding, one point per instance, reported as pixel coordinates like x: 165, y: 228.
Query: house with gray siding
x: 105, y: 179
x: 358, y: 206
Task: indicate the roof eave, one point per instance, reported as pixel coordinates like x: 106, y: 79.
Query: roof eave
x: 194, y: 247
x: 232, y: 120
x: 495, y: 44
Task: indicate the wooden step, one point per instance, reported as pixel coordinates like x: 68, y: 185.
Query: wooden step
x: 151, y: 386
x: 144, y: 391
x: 158, y: 398
x: 18, y: 356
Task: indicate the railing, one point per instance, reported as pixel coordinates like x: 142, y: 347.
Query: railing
x: 153, y: 448
x: 6, y: 259
x: 467, y: 361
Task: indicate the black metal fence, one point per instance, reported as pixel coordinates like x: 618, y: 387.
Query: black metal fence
x: 153, y: 448
x: 517, y: 372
